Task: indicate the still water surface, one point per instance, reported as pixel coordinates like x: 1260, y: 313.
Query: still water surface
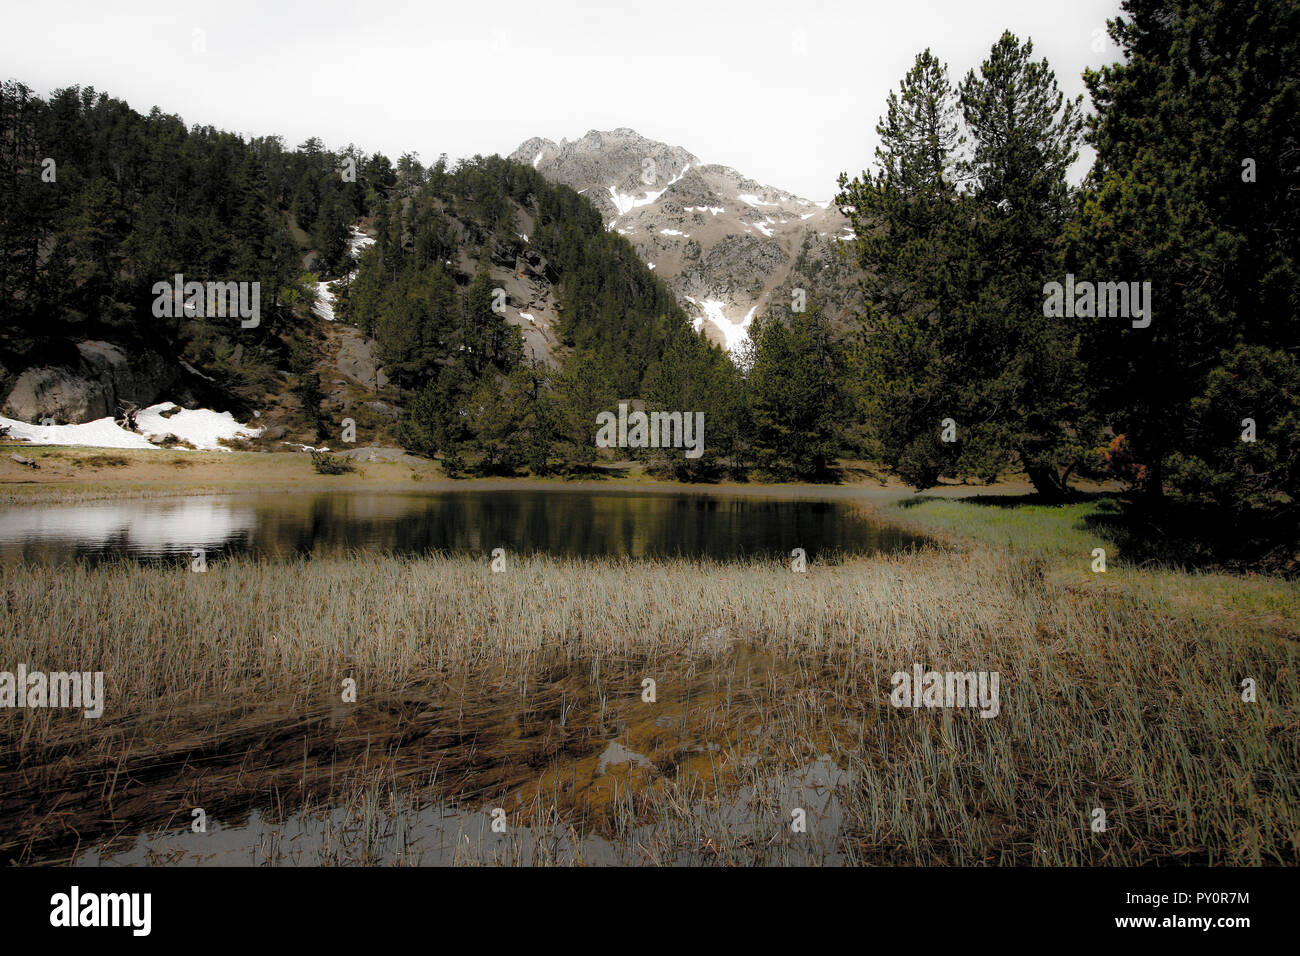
x: 583, y: 523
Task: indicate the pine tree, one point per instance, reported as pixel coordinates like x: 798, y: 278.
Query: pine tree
x: 1024, y: 386
x: 795, y: 397
x: 1196, y: 190
x: 910, y: 231
x: 330, y: 236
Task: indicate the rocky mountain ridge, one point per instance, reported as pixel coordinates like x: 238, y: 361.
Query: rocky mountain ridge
x: 727, y: 246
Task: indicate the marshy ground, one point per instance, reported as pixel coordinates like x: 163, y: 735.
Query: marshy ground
x: 524, y: 692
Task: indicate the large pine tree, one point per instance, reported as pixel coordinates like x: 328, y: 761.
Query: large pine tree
x: 955, y: 252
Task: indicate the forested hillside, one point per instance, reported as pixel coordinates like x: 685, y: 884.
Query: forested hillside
x: 476, y: 395
x: 100, y: 203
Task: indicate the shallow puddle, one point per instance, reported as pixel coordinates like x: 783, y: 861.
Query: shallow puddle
x: 582, y: 767
x: 741, y: 830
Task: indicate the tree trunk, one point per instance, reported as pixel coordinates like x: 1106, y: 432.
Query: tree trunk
x: 1153, y: 488
x: 1047, y: 482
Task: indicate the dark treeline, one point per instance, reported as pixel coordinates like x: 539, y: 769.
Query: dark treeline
x: 967, y: 217
x: 99, y: 202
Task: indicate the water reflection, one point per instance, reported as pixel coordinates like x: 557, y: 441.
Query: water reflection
x: 393, y: 833
x: 568, y: 523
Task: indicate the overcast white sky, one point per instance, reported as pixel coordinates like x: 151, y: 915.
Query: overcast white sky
x: 786, y: 91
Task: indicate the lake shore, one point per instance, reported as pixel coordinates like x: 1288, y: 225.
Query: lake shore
x: 84, y: 474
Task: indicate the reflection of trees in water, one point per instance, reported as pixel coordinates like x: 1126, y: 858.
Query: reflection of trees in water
x: 570, y: 523
x: 556, y: 522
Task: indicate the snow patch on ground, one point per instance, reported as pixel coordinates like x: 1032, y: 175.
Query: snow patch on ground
x: 673, y: 232
x: 324, y: 304
x: 303, y: 448
x: 763, y: 229
x: 753, y: 200
x: 538, y: 158
x: 102, y: 433
x: 190, y: 368
x: 201, y: 427
x: 357, y: 241
x: 710, y: 209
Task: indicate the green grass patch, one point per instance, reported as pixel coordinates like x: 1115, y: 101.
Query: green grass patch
x: 1009, y: 522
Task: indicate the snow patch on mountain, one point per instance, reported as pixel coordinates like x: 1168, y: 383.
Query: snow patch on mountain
x: 324, y: 298
x: 625, y: 203
x: 734, y: 334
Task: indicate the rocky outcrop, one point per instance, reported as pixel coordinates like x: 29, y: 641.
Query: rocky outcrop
x: 356, y: 360
x: 534, y: 266
x: 504, y: 253
x: 104, y: 377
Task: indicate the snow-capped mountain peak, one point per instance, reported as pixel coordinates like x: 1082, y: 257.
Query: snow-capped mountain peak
x: 723, y: 242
